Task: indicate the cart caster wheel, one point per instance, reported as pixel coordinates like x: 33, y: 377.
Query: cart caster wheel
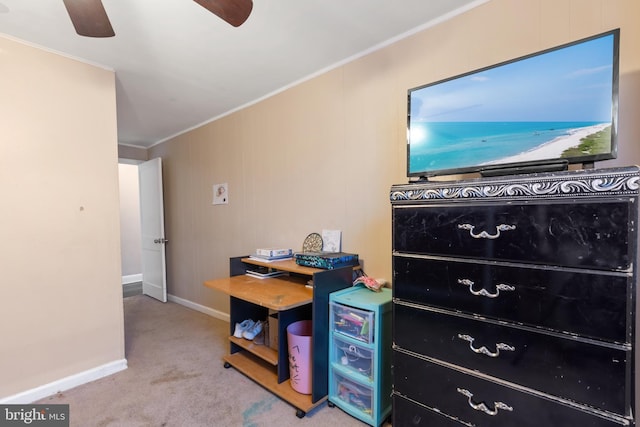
x: 227, y: 365
x: 300, y: 413
x: 331, y: 404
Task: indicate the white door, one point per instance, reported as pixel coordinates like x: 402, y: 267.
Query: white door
x: 154, y: 278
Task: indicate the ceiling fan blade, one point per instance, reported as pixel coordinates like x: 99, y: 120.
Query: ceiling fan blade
x: 89, y: 18
x: 235, y: 12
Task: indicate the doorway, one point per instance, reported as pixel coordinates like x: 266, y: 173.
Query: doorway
x: 130, y: 231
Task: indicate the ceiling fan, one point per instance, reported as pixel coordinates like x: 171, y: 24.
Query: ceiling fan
x: 90, y: 19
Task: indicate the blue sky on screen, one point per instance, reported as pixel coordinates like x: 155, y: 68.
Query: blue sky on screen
x: 568, y: 84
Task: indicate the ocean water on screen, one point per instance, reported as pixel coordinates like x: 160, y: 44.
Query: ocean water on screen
x: 450, y: 145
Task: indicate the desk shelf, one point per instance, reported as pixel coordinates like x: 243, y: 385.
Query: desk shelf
x: 252, y: 298
x: 264, y: 352
x: 264, y: 374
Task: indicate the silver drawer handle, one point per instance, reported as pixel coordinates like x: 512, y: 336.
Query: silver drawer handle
x: 484, y: 350
x: 483, y: 292
x: 484, y: 234
x: 482, y: 407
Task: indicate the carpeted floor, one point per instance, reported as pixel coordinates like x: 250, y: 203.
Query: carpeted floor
x: 176, y: 378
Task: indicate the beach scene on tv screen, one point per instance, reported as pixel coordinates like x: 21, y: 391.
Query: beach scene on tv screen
x: 557, y: 104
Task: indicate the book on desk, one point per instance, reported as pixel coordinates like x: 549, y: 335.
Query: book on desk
x: 326, y: 260
x: 274, y: 252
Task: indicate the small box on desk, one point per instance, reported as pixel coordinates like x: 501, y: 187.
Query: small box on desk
x: 273, y: 329
x: 326, y: 260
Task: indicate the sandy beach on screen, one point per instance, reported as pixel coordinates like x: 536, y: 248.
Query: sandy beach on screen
x: 553, y: 148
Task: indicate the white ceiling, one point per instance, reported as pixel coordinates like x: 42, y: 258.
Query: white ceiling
x: 178, y: 66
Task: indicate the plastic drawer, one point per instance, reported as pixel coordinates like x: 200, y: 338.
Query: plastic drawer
x: 353, y: 322
x: 352, y: 396
x: 355, y: 358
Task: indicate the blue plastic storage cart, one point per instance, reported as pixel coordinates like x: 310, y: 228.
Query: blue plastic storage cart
x: 360, y: 353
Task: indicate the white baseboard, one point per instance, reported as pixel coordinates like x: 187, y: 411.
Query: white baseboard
x: 132, y: 278
x: 67, y: 383
x: 201, y: 308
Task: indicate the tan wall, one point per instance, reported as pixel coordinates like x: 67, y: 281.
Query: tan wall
x: 61, y: 304
x: 324, y: 153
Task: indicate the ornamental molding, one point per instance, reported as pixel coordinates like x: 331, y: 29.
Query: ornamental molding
x: 594, y: 182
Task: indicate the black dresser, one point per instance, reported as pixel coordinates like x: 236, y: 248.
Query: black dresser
x: 514, y: 300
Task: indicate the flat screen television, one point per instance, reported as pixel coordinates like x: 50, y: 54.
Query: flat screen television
x: 538, y: 112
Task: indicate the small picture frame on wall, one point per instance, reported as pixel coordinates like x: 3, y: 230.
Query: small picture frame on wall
x: 220, y: 194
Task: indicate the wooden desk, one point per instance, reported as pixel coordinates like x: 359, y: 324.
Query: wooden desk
x: 251, y: 298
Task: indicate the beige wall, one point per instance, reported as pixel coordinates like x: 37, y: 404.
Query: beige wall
x: 61, y: 304
x: 324, y: 153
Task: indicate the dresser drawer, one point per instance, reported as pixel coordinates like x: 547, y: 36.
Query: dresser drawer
x: 584, y: 372
x: 587, y: 304
x: 483, y: 403
x: 408, y: 413
x: 582, y: 234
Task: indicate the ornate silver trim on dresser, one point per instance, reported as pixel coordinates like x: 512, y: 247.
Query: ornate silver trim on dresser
x: 620, y: 182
